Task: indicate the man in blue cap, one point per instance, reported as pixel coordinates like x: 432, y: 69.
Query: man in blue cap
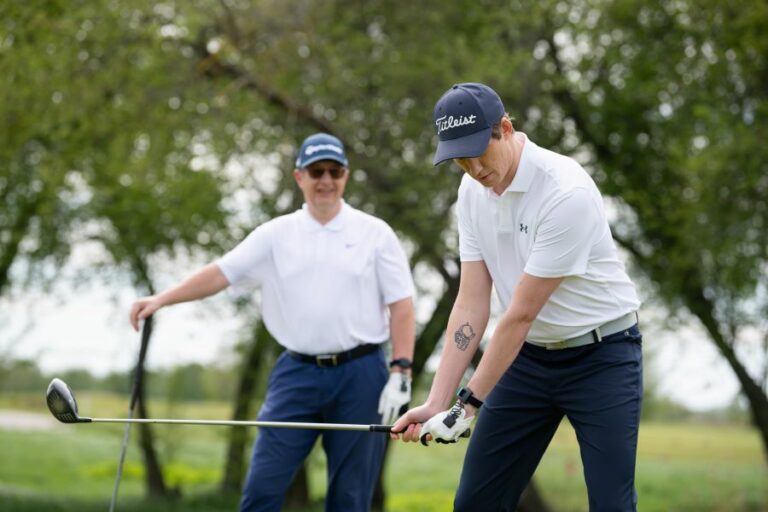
x: 335, y: 285
x: 532, y: 226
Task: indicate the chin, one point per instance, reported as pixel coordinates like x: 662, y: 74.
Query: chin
x: 326, y: 201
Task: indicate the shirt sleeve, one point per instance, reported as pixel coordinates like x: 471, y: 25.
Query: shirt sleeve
x: 392, y: 269
x: 565, y: 237
x: 244, y: 265
x: 469, y: 248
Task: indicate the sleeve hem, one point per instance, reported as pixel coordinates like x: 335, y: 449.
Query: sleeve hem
x: 547, y: 273
x: 398, y: 297
x: 224, y: 270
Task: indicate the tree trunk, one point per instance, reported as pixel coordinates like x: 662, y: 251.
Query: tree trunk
x: 433, y: 330
x: 153, y: 477
x: 531, y: 500
x: 154, y: 480
x: 703, y: 309
x: 250, y: 386
x: 692, y: 293
x: 425, y: 345
x: 15, y: 234
x: 379, y: 492
x: 430, y: 335
x: 234, y: 465
x: 297, y: 495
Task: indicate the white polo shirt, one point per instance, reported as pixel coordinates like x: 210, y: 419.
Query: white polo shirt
x: 325, y: 288
x: 549, y: 222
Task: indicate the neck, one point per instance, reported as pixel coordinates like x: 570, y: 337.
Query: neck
x: 324, y: 215
x: 516, y: 149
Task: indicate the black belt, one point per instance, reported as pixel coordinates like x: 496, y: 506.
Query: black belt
x: 326, y: 360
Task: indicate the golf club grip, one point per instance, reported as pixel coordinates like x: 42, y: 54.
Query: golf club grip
x: 138, y: 372
x: 388, y: 429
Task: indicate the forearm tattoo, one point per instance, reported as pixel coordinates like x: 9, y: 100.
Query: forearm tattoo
x: 463, y: 336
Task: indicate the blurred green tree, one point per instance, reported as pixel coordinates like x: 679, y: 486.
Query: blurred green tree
x: 107, y: 140
x: 133, y: 125
x: 666, y: 103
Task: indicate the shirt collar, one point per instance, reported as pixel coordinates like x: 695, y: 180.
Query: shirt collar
x: 336, y: 224
x: 525, y: 168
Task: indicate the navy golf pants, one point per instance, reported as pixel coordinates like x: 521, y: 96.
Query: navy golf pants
x: 302, y: 392
x: 598, y: 387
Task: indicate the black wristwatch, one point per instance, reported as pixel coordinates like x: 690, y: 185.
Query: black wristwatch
x: 466, y: 396
x: 402, y: 362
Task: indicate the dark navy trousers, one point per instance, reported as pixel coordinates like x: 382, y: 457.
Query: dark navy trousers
x: 598, y: 387
x: 302, y: 392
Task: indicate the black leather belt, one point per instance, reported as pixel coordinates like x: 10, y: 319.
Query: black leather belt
x: 328, y: 360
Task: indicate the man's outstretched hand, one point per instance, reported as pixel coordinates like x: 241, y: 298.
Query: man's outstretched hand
x: 143, y: 308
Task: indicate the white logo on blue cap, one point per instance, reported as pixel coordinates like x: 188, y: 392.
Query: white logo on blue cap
x: 322, y: 147
x: 453, y: 122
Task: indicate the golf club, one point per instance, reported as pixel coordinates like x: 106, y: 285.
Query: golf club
x: 146, y: 332
x: 62, y: 404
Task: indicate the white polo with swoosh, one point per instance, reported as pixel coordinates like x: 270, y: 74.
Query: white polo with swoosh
x: 549, y: 222
x: 324, y: 288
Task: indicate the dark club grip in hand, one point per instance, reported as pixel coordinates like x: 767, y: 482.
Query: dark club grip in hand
x: 382, y: 428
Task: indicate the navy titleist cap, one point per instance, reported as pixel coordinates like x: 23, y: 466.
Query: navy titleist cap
x: 321, y: 146
x: 464, y: 117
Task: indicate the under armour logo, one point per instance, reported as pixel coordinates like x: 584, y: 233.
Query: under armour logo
x: 524, y: 228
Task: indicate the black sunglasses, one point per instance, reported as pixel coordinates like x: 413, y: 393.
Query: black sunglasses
x: 317, y: 172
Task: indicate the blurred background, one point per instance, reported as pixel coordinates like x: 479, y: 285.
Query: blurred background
x: 140, y: 140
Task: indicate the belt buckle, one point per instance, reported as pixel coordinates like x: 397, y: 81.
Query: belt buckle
x: 558, y: 345
x: 327, y: 360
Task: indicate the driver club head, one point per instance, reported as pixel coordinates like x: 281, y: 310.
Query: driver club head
x: 62, y: 404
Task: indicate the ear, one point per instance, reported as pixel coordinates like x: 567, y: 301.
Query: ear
x: 298, y: 176
x: 506, y: 126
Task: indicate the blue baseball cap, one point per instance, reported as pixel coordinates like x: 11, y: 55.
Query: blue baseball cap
x: 321, y: 146
x: 464, y: 117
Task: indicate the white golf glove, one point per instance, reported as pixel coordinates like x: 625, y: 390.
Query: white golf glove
x: 447, y: 426
x: 394, y: 397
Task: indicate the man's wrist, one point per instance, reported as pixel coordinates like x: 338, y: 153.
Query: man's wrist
x: 467, y: 397
x: 469, y: 411
x: 402, y: 363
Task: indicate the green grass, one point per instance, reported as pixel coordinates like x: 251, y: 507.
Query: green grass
x: 681, y: 467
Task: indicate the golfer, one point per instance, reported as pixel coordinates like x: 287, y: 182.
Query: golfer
x: 532, y: 225
x: 335, y: 286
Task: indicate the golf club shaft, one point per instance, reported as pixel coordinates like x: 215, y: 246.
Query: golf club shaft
x: 146, y: 333
x: 263, y: 424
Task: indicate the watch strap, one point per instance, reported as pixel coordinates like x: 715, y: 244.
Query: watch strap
x: 467, y: 397
x: 402, y: 362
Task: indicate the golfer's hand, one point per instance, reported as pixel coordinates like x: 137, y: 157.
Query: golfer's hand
x: 142, y: 308
x: 394, y: 397
x: 409, y: 424
x: 448, y: 426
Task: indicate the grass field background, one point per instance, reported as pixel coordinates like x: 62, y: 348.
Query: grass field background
x: 681, y: 466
